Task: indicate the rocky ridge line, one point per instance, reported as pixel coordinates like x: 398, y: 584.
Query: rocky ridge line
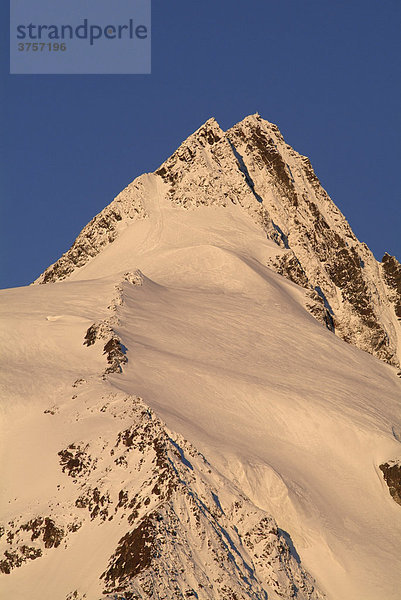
x: 102, y: 230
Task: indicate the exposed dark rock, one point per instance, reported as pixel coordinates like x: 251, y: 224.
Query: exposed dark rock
x: 133, y: 554
x: 273, y: 161
x: 90, y: 337
x: 318, y: 309
x: 122, y: 499
x: 115, y: 352
x: 12, y: 560
x: 310, y: 173
x: 346, y: 274
x: 243, y: 168
x: 97, y: 331
x: 288, y: 265
x: 78, y: 382
x: 392, y: 476
x: 46, y: 529
x: 42, y: 530
x: 75, y: 460
x: 208, y: 135
x: 392, y: 276
x: 35, y: 525
x: 30, y: 553
x: 96, y: 502
x: 52, y: 535
x: 75, y: 595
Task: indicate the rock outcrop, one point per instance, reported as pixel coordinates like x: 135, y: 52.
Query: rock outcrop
x: 392, y: 476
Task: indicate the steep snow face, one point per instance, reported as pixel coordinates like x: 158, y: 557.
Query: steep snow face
x: 251, y: 166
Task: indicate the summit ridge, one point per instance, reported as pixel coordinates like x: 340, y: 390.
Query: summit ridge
x: 252, y: 166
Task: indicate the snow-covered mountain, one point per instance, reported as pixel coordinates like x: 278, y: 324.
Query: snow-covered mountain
x: 251, y: 166
x: 176, y: 421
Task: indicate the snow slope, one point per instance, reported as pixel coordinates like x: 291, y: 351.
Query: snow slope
x: 176, y: 424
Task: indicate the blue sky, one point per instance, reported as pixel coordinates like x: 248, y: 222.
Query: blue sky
x: 327, y: 72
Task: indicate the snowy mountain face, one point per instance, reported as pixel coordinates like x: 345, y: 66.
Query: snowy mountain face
x: 181, y: 416
x: 251, y: 166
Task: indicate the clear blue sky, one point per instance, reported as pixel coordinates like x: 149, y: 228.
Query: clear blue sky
x: 326, y: 71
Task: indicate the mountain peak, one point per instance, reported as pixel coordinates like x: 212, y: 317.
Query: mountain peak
x: 255, y: 120
x: 210, y: 132
x: 252, y: 168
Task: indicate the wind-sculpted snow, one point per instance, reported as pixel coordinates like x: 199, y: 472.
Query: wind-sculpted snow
x: 173, y: 525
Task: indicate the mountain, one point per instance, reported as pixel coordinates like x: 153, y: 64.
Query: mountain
x: 251, y: 166
x: 202, y: 400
